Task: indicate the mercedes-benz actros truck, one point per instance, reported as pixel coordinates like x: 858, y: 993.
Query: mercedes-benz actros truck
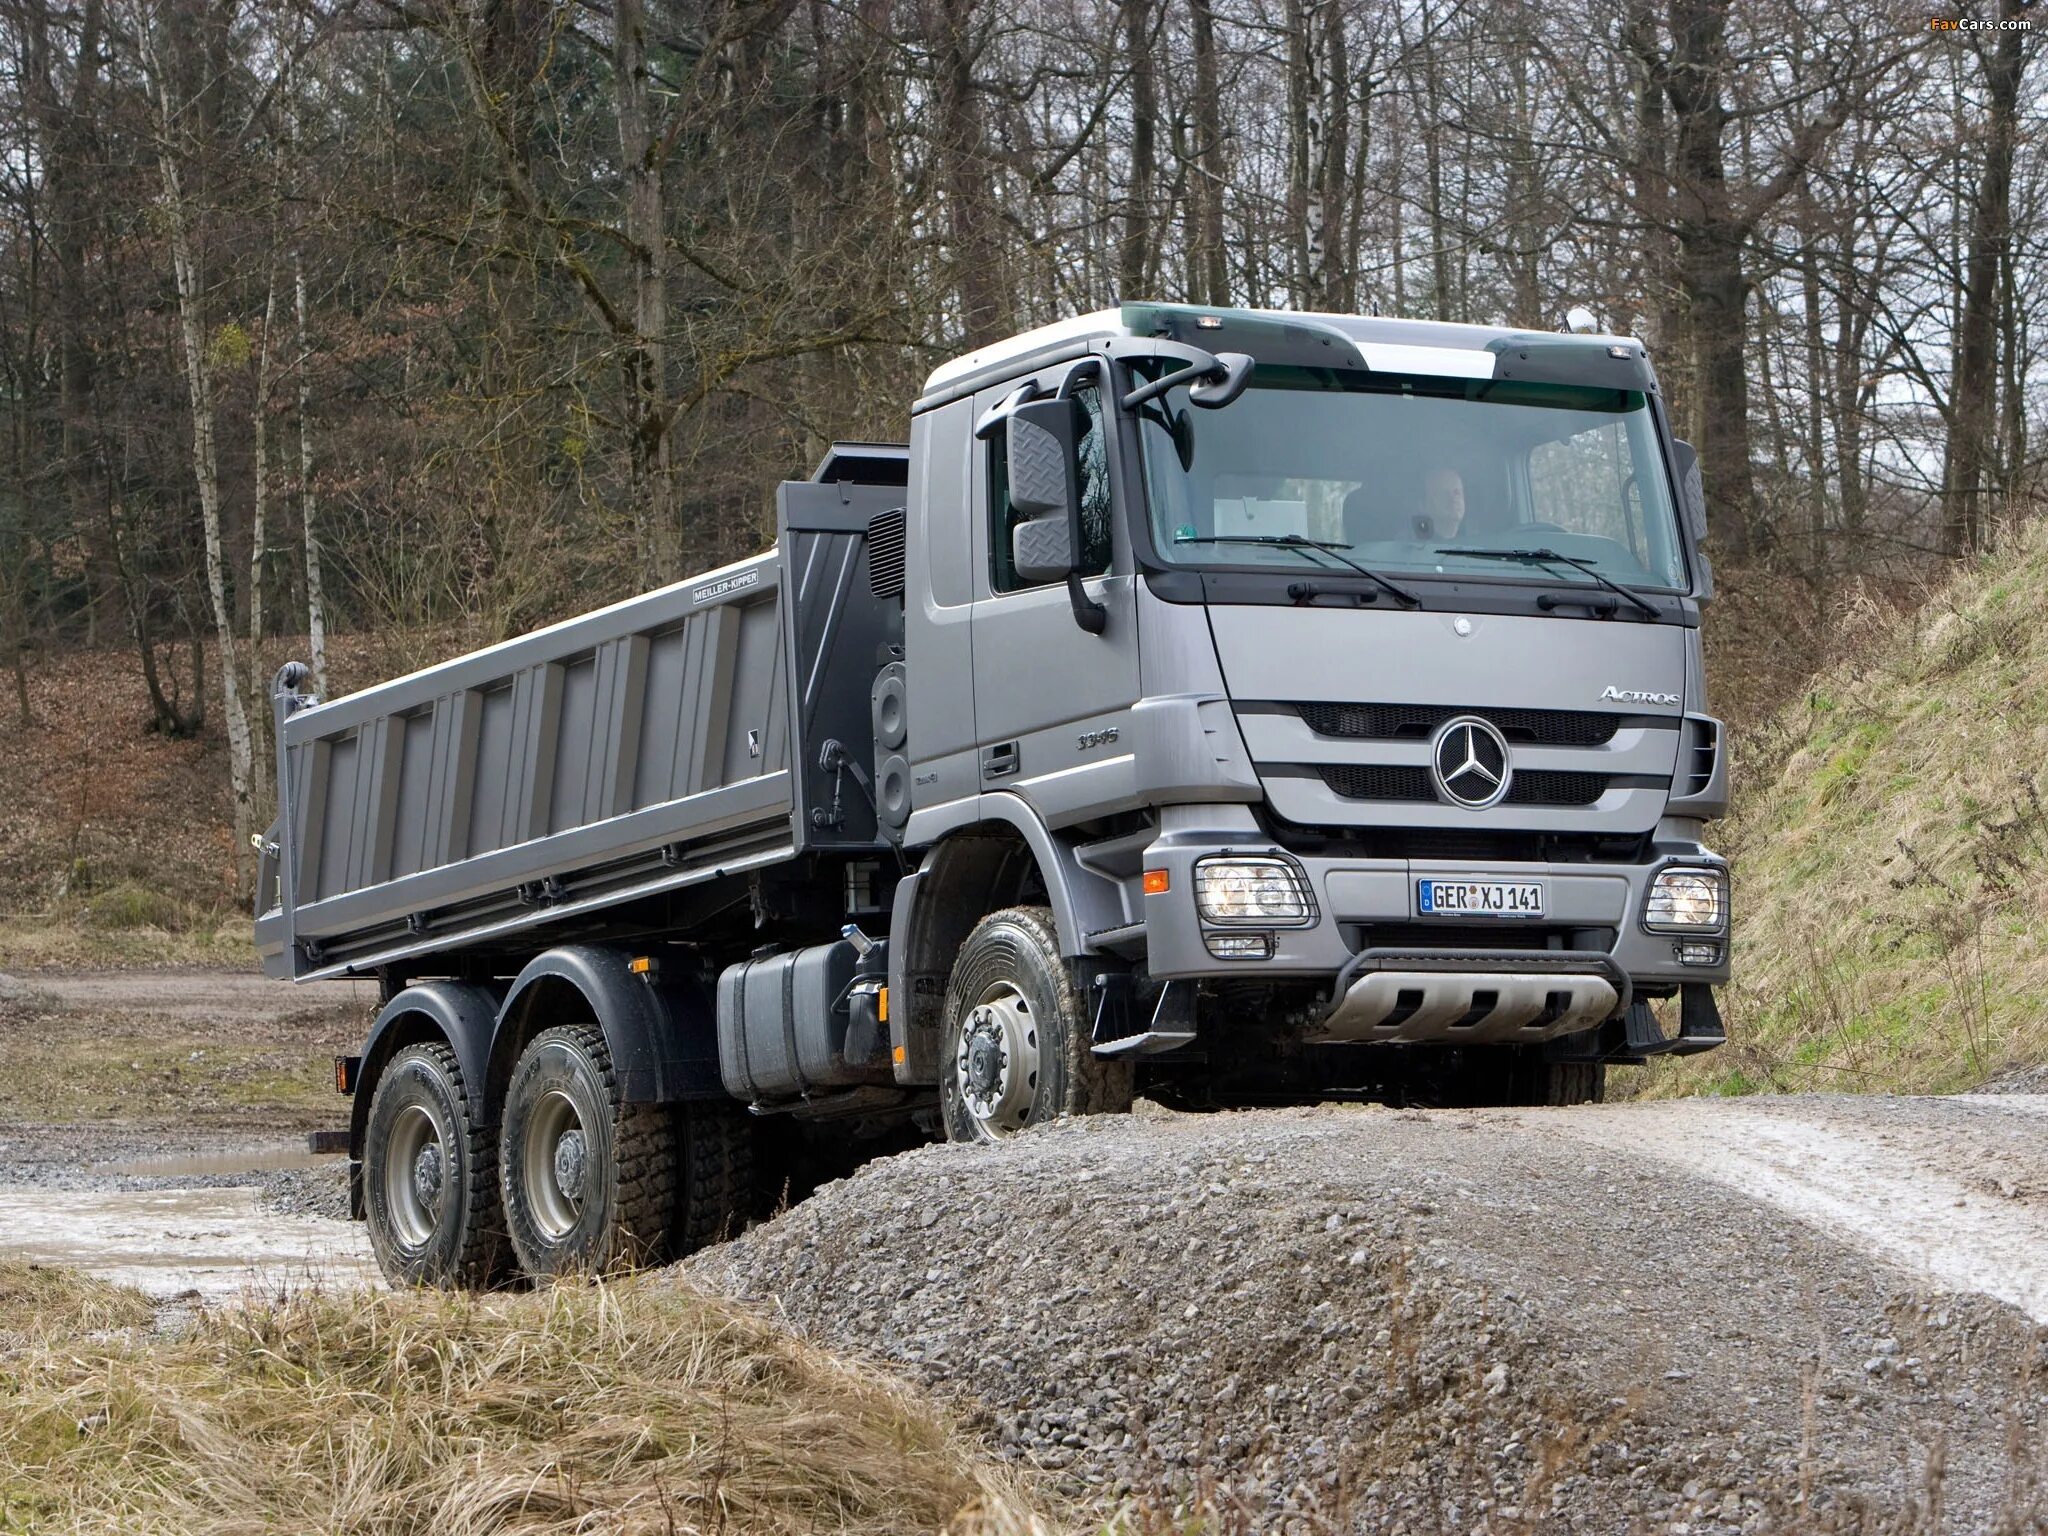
x: 1230, y: 706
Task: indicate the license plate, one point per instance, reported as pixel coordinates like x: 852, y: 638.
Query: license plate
x: 1479, y: 898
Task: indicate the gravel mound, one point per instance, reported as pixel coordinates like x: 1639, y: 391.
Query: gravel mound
x: 1399, y: 1321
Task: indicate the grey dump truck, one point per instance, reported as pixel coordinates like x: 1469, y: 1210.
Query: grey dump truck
x: 1233, y: 706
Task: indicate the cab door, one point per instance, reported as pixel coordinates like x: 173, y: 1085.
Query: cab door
x: 1052, y: 701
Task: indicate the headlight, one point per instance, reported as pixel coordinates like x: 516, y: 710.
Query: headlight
x: 1264, y: 891
x: 1687, y: 901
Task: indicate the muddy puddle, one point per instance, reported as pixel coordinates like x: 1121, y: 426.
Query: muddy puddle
x: 189, y: 1164
x: 221, y: 1240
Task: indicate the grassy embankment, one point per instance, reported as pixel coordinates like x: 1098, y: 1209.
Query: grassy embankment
x: 1891, y: 857
x: 631, y: 1407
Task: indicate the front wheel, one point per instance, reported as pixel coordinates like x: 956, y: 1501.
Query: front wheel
x: 589, y: 1181
x: 1500, y: 1076
x: 1018, y: 1035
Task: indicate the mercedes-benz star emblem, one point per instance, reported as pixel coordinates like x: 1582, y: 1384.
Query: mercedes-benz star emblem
x: 1469, y: 759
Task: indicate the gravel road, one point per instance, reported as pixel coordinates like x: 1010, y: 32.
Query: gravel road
x: 1665, y: 1316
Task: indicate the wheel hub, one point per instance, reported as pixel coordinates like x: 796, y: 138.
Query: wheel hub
x: 427, y: 1175
x: 996, y: 1065
x: 415, y: 1170
x: 555, y: 1165
x: 569, y: 1164
x: 985, y: 1060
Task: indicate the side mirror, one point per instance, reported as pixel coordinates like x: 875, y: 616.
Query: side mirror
x: 1692, y: 492
x: 1044, y: 438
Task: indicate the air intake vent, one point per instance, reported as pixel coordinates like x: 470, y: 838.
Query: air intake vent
x: 1702, y: 747
x: 1415, y: 722
x: 886, y: 553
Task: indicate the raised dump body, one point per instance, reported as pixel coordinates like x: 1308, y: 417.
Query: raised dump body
x: 634, y: 750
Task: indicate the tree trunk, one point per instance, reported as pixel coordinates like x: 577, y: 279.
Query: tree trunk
x: 1134, y: 250
x: 316, y: 593
x: 1339, y: 275
x: 206, y: 469
x: 1973, y: 398
x: 978, y: 275
x: 1710, y: 271
x: 1212, y: 270
x: 646, y: 372
x: 259, y: 517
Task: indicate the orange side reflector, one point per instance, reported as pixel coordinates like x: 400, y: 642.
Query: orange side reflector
x: 1158, y: 882
x: 640, y: 965
x: 882, y: 1004
x: 897, y: 1055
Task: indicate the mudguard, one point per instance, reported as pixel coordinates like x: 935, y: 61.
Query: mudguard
x: 662, y: 1034
x: 466, y: 1016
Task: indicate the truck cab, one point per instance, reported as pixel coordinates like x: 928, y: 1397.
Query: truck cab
x: 1342, y: 676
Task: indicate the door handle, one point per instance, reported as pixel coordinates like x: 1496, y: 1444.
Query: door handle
x: 999, y: 761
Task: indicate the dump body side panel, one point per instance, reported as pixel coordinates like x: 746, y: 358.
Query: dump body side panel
x: 627, y: 750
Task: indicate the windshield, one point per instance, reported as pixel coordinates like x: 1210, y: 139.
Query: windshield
x: 1412, y: 475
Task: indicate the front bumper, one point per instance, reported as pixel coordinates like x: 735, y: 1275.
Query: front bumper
x: 1365, y: 904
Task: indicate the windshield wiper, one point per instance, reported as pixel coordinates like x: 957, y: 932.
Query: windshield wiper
x: 1302, y: 544
x: 1552, y: 557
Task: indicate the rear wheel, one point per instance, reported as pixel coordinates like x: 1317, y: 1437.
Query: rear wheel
x: 717, y: 1175
x: 1017, y: 1047
x: 430, y: 1185
x: 590, y: 1183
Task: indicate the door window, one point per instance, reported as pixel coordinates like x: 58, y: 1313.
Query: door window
x: 1095, y: 520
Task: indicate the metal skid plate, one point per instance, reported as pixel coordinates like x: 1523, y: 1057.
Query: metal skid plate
x: 1410, y: 1006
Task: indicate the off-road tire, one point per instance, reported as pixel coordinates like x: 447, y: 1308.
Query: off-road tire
x: 466, y: 1246
x: 1507, y: 1076
x: 1019, y: 947
x: 626, y: 1197
x: 717, y: 1147
x: 1559, y: 1083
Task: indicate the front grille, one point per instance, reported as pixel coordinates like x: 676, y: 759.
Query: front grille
x: 1378, y: 782
x: 1416, y: 722
x: 1549, y: 786
x: 1529, y: 787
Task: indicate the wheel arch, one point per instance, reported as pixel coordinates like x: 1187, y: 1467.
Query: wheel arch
x: 460, y: 1014
x: 1005, y: 857
x: 661, y: 1033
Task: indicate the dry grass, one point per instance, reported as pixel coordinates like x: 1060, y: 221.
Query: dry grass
x: 1890, y: 846
x: 631, y: 1407
x: 44, y: 1301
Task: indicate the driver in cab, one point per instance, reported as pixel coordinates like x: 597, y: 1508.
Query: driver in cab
x: 1428, y: 515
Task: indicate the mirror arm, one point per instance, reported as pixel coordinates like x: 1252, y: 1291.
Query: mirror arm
x: 1088, y: 613
x: 1194, y: 373
x: 998, y: 413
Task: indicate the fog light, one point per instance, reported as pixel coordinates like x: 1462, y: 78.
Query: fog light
x: 1252, y: 891
x: 1239, y: 946
x: 1687, y: 899
x: 1698, y: 952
